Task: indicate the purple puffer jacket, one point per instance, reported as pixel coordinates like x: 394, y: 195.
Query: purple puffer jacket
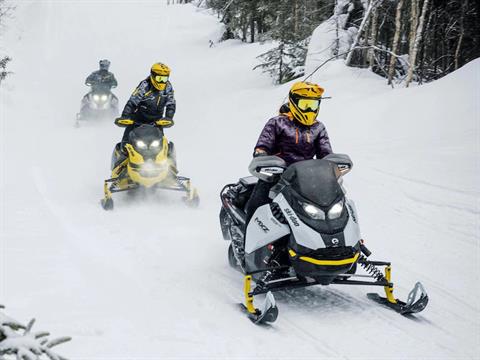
x: 292, y: 141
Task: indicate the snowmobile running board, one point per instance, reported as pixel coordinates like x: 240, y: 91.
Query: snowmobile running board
x: 416, y: 302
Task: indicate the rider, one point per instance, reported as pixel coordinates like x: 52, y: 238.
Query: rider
x: 294, y: 135
x: 102, y: 79
x: 152, y: 100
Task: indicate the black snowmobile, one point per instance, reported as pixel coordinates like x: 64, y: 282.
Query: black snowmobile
x: 99, y: 103
x: 308, y: 235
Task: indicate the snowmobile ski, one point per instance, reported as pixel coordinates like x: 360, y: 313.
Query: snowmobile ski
x: 416, y: 302
x: 269, y: 310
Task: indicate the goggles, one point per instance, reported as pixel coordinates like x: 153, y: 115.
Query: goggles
x: 308, y: 104
x: 160, y: 78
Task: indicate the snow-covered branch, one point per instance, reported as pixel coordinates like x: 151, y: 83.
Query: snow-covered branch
x: 19, y: 342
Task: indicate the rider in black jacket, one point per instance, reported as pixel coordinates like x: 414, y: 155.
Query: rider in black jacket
x: 153, y: 99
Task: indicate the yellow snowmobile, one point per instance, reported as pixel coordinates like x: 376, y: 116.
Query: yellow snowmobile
x: 147, y: 161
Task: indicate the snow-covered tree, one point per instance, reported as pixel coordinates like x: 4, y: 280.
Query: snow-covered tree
x: 5, y: 10
x: 20, y: 342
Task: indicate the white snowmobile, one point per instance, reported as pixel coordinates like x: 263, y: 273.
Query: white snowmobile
x: 307, y: 235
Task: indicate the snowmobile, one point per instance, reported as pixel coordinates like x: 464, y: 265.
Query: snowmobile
x: 308, y: 235
x: 99, y: 103
x: 147, y: 161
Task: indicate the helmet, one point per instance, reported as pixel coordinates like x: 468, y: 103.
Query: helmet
x: 104, y: 64
x: 304, y: 102
x: 159, y: 74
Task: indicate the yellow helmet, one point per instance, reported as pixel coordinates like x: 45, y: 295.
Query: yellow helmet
x: 304, y: 102
x: 159, y: 74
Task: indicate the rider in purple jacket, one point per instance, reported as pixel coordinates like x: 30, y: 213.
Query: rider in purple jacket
x: 294, y: 135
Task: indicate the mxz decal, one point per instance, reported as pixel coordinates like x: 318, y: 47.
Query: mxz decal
x: 261, y: 225
x: 263, y: 229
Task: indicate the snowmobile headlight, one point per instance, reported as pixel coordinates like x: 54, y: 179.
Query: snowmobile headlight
x: 140, y: 144
x: 104, y: 97
x: 336, y: 210
x: 155, y: 144
x: 96, y: 97
x: 313, y: 211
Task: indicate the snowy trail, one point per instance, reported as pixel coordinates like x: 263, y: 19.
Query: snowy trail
x: 150, y: 280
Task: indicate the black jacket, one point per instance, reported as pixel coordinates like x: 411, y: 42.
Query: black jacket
x: 101, y: 79
x: 148, y: 104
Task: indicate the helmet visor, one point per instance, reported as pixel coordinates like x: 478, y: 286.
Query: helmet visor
x: 308, y: 104
x: 160, y: 78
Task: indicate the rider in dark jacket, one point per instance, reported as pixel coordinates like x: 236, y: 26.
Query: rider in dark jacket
x: 153, y: 99
x: 102, y: 79
x: 294, y: 135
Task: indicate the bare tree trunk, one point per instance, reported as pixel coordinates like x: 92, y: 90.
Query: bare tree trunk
x: 373, y: 39
x: 253, y: 16
x: 337, y: 40
x: 373, y: 4
x: 280, y: 66
x: 413, y: 26
x: 396, y: 38
x: 418, y: 39
x: 462, y: 33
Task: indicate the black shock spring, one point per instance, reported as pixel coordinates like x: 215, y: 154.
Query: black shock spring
x: 371, y: 269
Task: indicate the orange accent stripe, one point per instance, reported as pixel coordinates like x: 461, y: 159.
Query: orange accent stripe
x: 296, y: 136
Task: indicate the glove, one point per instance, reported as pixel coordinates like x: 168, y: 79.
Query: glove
x: 123, y: 122
x: 259, y: 152
x: 165, y: 123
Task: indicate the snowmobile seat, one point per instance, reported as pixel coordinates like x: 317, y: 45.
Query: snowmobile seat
x: 248, y: 181
x: 244, y: 191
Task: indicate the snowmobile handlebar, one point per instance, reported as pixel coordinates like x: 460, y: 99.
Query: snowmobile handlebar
x: 124, y: 122
x: 343, y: 162
x: 267, y: 167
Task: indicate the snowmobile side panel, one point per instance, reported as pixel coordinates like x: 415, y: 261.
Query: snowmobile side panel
x: 263, y: 229
x: 352, y: 229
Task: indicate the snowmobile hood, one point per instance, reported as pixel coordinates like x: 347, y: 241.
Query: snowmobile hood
x: 315, y: 180
x: 146, y: 133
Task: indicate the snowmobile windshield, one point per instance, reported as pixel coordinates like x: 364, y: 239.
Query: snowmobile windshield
x: 147, y: 139
x: 100, y: 96
x: 315, y: 181
x: 311, y: 188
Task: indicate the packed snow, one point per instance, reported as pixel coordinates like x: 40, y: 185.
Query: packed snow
x: 150, y: 280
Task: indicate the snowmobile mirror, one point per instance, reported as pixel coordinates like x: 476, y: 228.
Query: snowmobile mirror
x: 164, y: 122
x: 123, y: 122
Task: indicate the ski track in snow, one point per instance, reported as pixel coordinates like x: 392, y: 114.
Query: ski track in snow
x: 150, y: 280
